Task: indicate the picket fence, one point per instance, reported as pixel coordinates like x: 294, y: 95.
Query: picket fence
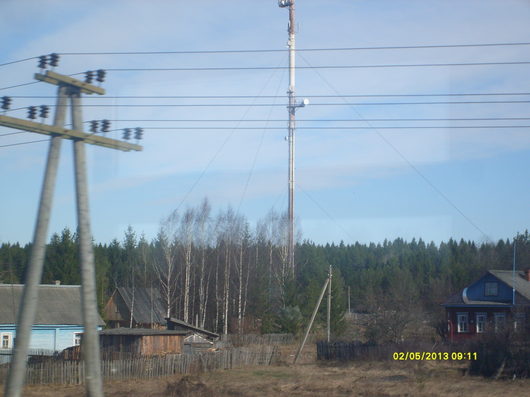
x: 72, y: 372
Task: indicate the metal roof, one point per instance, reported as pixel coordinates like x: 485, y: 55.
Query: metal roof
x: 140, y: 332
x: 522, y: 287
x: 147, y: 307
x: 521, y: 284
x: 57, y: 304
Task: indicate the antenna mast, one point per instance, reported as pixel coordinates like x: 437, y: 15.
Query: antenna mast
x: 292, y: 124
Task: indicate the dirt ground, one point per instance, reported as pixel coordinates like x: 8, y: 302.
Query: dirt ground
x: 379, y: 379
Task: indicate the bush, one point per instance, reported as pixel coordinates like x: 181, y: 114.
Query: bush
x: 501, y: 354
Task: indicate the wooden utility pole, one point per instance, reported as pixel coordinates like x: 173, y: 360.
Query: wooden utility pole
x: 329, y: 305
x: 69, y: 89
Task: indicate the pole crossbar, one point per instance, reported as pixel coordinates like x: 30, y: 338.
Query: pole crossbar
x: 66, y: 133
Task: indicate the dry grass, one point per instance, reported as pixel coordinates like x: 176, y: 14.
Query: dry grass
x: 309, y: 378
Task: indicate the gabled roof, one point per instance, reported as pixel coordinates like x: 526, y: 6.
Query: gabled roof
x: 57, y: 304
x: 147, y: 305
x: 173, y: 323
x: 521, y: 284
x: 522, y: 287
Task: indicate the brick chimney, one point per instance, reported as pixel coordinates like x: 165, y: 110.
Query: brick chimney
x: 527, y: 274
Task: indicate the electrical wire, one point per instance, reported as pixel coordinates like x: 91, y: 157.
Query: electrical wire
x: 405, y: 159
x: 426, y: 46
x: 162, y: 105
x: 227, y: 68
x: 319, y: 120
x: 275, y: 96
x: 23, y: 143
x: 339, y: 127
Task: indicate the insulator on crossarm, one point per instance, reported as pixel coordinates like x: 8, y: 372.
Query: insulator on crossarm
x: 6, y: 103
x: 32, y: 112
x: 44, y: 110
x: 105, y: 125
x: 89, y: 76
x: 94, y: 126
x: 54, y: 60
x: 43, y: 61
x: 100, y: 75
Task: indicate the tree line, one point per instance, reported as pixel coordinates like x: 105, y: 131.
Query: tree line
x: 218, y: 272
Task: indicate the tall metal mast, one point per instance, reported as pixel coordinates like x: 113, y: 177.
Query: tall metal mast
x: 292, y: 125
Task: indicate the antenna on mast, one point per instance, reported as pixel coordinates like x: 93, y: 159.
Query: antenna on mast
x: 291, y: 107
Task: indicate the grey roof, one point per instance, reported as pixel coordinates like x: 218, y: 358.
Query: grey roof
x: 147, y: 307
x: 181, y: 324
x: 521, y: 284
x: 140, y: 331
x: 57, y: 304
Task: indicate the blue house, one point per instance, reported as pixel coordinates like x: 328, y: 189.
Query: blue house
x: 58, y: 322
x: 500, y: 298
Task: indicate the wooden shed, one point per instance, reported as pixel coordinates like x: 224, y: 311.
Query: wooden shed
x: 141, y: 341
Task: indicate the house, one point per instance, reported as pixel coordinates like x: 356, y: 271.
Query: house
x: 58, y: 320
x: 498, y: 299
x: 141, y: 341
x: 135, y: 308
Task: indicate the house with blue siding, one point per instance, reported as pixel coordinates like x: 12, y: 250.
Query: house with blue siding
x: 58, y: 321
x: 499, y: 299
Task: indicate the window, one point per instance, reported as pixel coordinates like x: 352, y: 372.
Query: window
x: 491, y: 289
x: 77, y: 338
x: 481, y: 322
x: 6, y: 340
x: 462, y: 322
x: 500, y: 321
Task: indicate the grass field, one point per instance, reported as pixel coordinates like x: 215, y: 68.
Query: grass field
x: 312, y: 379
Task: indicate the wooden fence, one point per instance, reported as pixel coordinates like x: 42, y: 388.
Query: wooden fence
x: 351, y: 351
x: 72, y: 372
x: 252, y: 339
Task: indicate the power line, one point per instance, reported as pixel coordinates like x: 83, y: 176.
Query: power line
x: 427, y: 46
x: 17, y: 61
x: 319, y: 120
x: 406, y: 160
x: 340, y: 127
x: 226, y: 68
x: 280, y: 96
x: 299, y: 49
x: 140, y: 105
x: 19, y: 85
x: 24, y: 143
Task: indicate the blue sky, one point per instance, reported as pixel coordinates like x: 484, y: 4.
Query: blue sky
x: 362, y: 185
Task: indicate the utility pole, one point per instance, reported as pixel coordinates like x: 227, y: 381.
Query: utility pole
x: 69, y: 89
x: 308, y: 329
x: 291, y: 107
x: 329, y: 304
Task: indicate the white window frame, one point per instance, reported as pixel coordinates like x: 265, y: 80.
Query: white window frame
x: 462, y: 323
x: 9, y: 340
x: 77, y: 338
x: 499, y: 320
x: 494, y: 287
x: 480, y: 322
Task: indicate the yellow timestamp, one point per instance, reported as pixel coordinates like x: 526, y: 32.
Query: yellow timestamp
x: 434, y: 356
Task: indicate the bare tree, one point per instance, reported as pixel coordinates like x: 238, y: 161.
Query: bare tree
x: 186, y: 243
x: 165, y: 262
